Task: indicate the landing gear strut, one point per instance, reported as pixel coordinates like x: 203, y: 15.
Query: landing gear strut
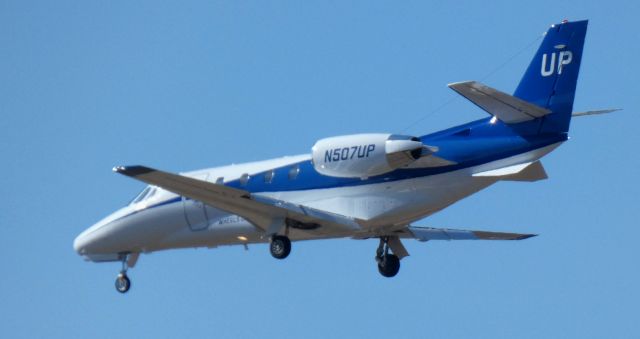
x: 388, y: 263
x: 123, y: 284
x: 280, y: 246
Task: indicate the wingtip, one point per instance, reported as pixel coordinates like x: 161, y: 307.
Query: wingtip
x: 483, y: 235
x: 461, y: 83
x: 132, y: 171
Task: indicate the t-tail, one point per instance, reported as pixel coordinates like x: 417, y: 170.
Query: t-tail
x: 543, y: 101
x: 550, y: 81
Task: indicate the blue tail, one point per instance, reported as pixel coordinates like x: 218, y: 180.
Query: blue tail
x: 550, y: 80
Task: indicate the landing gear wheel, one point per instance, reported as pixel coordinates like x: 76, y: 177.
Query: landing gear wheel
x: 123, y: 283
x: 280, y: 246
x: 389, y: 265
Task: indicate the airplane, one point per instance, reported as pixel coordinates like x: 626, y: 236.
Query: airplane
x: 358, y: 186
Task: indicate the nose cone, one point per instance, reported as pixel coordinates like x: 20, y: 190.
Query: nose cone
x: 91, y: 240
x: 97, y: 243
x: 104, y: 239
x: 81, y: 242
x: 88, y: 241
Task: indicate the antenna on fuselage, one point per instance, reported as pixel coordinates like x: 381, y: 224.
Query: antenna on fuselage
x: 454, y: 97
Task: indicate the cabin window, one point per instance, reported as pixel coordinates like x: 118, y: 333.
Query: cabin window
x: 220, y: 180
x: 151, y: 193
x: 268, y: 176
x: 146, y: 193
x: 244, y: 179
x: 293, y: 172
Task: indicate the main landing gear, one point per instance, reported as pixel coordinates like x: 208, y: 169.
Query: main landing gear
x: 388, y: 263
x: 280, y: 246
x: 123, y: 284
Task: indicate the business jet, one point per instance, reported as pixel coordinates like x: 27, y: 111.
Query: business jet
x: 356, y: 186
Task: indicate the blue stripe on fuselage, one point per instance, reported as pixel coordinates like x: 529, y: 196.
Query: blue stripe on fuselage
x: 468, y: 145
x: 471, y: 144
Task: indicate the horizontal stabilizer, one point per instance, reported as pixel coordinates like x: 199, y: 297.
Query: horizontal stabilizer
x: 507, y: 108
x: 430, y: 233
x: 602, y: 111
x: 531, y: 171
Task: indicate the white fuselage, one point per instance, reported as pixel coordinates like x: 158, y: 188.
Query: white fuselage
x: 163, y: 220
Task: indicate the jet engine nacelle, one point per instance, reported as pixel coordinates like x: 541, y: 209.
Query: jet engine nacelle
x: 364, y: 155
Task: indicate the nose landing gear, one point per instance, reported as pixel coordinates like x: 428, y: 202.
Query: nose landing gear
x: 123, y: 283
x: 388, y: 263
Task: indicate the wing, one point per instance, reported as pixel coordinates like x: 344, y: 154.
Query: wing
x: 268, y: 214
x: 507, y: 108
x: 431, y: 233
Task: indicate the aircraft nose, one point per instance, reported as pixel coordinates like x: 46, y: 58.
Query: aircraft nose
x: 87, y: 241
x: 81, y: 242
x: 103, y: 236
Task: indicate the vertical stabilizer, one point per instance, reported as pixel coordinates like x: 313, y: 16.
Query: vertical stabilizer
x: 550, y: 81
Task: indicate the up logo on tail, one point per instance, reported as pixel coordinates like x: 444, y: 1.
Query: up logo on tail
x: 563, y: 57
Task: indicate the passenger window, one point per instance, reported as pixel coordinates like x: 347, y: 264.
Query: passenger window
x: 268, y: 177
x: 151, y: 193
x: 293, y: 172
x: 244, y: 179
x: 146, y: 192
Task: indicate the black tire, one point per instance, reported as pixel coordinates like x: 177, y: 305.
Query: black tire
x: 280, y: 247
x: 389, y: 265
x: 123, y: 284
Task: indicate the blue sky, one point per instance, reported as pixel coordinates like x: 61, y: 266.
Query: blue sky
x: 87, y: 85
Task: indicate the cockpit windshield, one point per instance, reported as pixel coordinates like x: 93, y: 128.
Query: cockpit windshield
x: 146, y: 193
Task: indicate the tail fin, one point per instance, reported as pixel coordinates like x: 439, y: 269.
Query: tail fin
x: 550, y: 81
